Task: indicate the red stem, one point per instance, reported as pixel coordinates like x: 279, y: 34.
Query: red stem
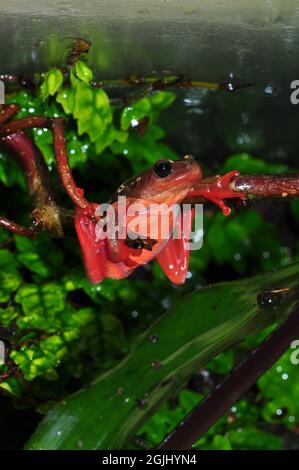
x: 18, y: 229
x: 7, y: 112
x: 25, y: 123
x: 29, y: 157
x: 266, y: 185
x: 75, y: 193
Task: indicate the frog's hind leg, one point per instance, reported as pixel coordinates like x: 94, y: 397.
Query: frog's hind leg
x: 174, y: 257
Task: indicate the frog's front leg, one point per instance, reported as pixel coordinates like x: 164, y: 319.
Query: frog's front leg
x: 218, y: 190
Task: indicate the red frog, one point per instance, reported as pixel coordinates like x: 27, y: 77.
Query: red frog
x: 168, y: 183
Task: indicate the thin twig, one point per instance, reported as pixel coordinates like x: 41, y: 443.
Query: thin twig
x: 13, y: 227
x: 75, y: 193
x: 233, y: 386
x: 169, y: 82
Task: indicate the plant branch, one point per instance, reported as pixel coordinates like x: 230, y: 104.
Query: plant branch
x: 266, y: 185
x: 7, y: 112
x: 155, y: 83
x: 13, y: 227
x: 68, y: 182
x: 233, y: 386
x: 47, y: 215
x: 250, y: 187
x: 25, y: 123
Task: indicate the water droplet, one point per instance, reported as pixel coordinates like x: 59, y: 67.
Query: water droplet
x: 157, y: 364
x: 142, y: 403
x: 79, y: 444
x: 154, y: 338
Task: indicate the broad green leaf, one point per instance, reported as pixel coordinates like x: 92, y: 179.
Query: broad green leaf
x: 107, y: 413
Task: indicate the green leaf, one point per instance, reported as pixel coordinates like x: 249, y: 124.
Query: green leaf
x: 66, y: 97
x: 149, y: 106
x: 251, y: 438
x: 10, y: 173
x: 137, y: 111
x: 44, y: 141
x: 10, y: 278
x: 144, y: 150
x: 165, y: 420
x: 246, y: 163
x: 83, y: 72
x: 51, y: 84
x: 280, y: 387
x: 40, y: 360
x: 40, y: 303
x: 41, y: 256
x: 217, y: 322
x: 7, y: 316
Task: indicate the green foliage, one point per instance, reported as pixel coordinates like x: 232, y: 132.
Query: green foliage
x: 166, y: 363
x: 279, y: 388
x: 40, y: 256
x: 234, y: 431
x: 51, y: 84
x: 61, y: 327
x: 246, y: 163
x: 10, y: 278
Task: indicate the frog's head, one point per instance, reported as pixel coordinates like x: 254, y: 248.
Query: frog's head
x: 167, y: 182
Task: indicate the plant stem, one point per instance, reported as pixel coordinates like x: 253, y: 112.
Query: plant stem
x: 169, y: 82
x: 7, y: 112
x: 75, y: 193
x: 16, y: 228
x: 266, y: 185
x: 47, y: 214
x: 25, y: 123
x: 233, y: 386
x: 252, y: 187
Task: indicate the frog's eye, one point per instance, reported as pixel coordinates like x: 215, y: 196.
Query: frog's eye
x: 163, y: 168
